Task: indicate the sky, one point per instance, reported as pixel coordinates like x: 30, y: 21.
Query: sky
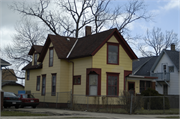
x: 167, y: 17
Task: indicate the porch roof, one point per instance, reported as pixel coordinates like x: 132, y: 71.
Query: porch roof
x: 139, y: 77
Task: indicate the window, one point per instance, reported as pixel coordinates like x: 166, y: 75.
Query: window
x: 171, y: 68
x: 43, y: 85
x: 93, y: 82
x: 164, y: 69
x: 38, y: 83
x: 112, y: 53
x: 144, y: 85
x: 165, y: 89
x: 35, y: 59
x: 53, y: 92
x: 77, y: 80
x: 112, y: 84
x: 51, y: 56
x: 28, y: 73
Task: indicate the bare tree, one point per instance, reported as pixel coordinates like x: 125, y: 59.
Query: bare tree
x: 133, y: 11
x: 79, y: 15
x: 157, y: 41
x: 28, y: 34
x: 70, y: 16
x: 101, y: 14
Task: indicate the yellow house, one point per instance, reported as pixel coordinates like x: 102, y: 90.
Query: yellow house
x: 9, y: 81
x: 94, y: 65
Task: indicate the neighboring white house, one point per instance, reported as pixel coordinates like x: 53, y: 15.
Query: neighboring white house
x: 166, y: 68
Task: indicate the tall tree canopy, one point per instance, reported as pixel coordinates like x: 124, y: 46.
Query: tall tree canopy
x: 68, y: 18
x: 156, y: 41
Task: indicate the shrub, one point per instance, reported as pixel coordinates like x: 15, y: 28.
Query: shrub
x: 126, y: 101
x: 154, y: 102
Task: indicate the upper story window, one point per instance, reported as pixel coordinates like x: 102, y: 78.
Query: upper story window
x: 164, y: 68
x: 28, y: 73
x: 51, y: 56
x: 35, y: 59
x: 112, y: 53
x: 171, y: 68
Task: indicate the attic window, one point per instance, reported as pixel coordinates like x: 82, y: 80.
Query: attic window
x: 51, y: 57
x: 112, y: 53
x: 35, y: 59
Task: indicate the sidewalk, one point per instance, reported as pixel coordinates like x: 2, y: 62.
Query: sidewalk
x: 64, y: 114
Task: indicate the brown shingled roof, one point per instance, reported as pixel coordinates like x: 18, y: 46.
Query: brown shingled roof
x: 30, y: 66
x: 89, y: 45
x: 36, y: 48
x: 8, y: 75
x: 61, y: 45
x: 85, y: 46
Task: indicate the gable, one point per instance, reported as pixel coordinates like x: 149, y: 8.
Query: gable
x: 62, y: 46
x: 113, y: 39
x: 89, y: 45
x: 8, y: 75
x: 167, y: 56
x: 35, y: 49
x: 85, y: 46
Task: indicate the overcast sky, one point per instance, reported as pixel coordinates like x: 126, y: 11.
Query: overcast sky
x: 167, y: 18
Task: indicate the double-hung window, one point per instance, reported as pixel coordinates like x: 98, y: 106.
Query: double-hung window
x: 28, y: 74
x: 53, y: 92
x: 35, y: 59
x: 93, y: 84
x: 112, y: 84
x: 43, y: 85
x: 38, y: 83
x: 51, y: 56
x: 112, y: 53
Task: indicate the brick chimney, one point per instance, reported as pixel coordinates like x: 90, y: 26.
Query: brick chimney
x: 88, y: 30
x: 173, y: 47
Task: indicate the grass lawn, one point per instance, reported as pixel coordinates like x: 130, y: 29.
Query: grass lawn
x: 19, y: 113
x: 141, y: 111
x: 169, y: 111
x: 169, y: 117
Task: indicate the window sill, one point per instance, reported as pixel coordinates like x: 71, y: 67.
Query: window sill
x: 113, y: 63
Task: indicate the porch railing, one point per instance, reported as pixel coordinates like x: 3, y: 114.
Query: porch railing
x: 162, y: 76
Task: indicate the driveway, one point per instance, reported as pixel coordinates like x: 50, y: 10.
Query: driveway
x: 68, y: 114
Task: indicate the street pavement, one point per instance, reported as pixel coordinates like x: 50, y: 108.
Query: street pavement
x: 68, y: 114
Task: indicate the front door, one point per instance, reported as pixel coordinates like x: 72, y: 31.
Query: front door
x: 131, y: 87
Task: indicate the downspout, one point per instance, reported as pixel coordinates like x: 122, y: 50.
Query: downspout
x: 72, y: 79
x: 125, y: 82
x: 72, y: 68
